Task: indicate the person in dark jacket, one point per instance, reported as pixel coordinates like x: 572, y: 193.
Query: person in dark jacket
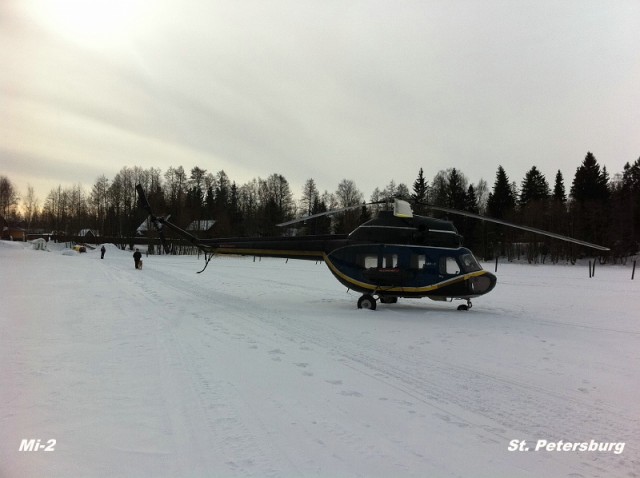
x: 136, y: 258
x: 102, y: 251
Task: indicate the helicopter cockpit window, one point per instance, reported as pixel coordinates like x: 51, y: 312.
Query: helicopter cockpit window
x: 449, y: 266
x: 469, y: 263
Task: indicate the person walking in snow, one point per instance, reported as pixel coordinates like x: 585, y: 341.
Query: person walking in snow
x: 136, y: 258
x: 102, y: 251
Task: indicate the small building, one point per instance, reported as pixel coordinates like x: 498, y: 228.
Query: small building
x: 146, y: 226
x: 14, y: 234
x: 11, y: 233
x: 89, y: 234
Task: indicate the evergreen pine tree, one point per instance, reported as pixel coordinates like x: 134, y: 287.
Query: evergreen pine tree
x: 589, y: 210
x: 235, y: 214
x: 559, y: 193
x: 321, y: 225
x: 534, y: 187
x: 471, y: 201
x: 456, y: 193
x: 501, y: 200
x: 419, y: 196
x: 471, y: 229
x: 590, y: 182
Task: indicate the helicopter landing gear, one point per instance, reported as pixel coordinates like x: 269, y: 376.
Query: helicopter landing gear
x: 385, y: 299
x: 367, y: 301
x: 466, y: 306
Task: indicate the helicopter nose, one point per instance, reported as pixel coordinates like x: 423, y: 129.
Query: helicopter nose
x: 483, y: 284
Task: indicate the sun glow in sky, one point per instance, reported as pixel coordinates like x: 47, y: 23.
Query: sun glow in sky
x: 91, y: 23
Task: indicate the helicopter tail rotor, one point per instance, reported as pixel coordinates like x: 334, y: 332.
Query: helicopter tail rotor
x: 159, y: 223
x: 143, y: 202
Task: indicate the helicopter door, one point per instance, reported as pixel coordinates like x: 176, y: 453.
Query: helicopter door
x: 422, y: 269
x: 387, y: 271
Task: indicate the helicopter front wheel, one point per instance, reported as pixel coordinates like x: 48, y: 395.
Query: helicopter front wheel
x: 367, y: 301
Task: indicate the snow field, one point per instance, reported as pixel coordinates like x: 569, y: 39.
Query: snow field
x: 266, y: 368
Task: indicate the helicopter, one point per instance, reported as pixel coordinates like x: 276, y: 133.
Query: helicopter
x: 397, y: 254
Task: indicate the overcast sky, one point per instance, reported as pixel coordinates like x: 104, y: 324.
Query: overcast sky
x: 363, y: 90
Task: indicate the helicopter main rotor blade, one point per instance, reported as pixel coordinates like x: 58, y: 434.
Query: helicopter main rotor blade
x: 517, y: 226
x: 327, y: 213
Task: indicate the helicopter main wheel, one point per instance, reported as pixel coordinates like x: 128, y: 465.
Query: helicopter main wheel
x: 367, y: 301
x: 466, y: 306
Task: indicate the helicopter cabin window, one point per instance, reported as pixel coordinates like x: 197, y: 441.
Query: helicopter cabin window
x: 390, y: 261
x: 418, y: 261
x: 367, y: 261
x: 449, y: 266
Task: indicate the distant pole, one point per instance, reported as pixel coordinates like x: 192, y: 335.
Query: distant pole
x: 589, y: 269
x: 496, y: 264
x: 633, y: 271
x: 593, y: 272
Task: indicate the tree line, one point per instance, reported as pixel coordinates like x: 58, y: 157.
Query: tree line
x: 595, y: 207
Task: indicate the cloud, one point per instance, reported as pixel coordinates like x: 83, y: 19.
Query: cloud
x: 370, y: 91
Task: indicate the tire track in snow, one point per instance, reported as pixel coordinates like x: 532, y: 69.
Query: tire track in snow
x: 208, y: 415
x: 459, y: 394
x: 245, y: 321
x: 210, y: 426
x: 468, y: 400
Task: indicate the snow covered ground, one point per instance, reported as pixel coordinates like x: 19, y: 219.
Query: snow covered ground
x: 267, y: 368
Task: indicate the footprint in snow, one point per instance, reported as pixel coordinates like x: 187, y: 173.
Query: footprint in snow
x: 350, y: 393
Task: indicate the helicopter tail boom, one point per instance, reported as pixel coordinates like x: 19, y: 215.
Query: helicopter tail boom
x: 305, y: 247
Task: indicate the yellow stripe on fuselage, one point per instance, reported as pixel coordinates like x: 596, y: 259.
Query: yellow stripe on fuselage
x: 428, y: 288
x: 322, y: 255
